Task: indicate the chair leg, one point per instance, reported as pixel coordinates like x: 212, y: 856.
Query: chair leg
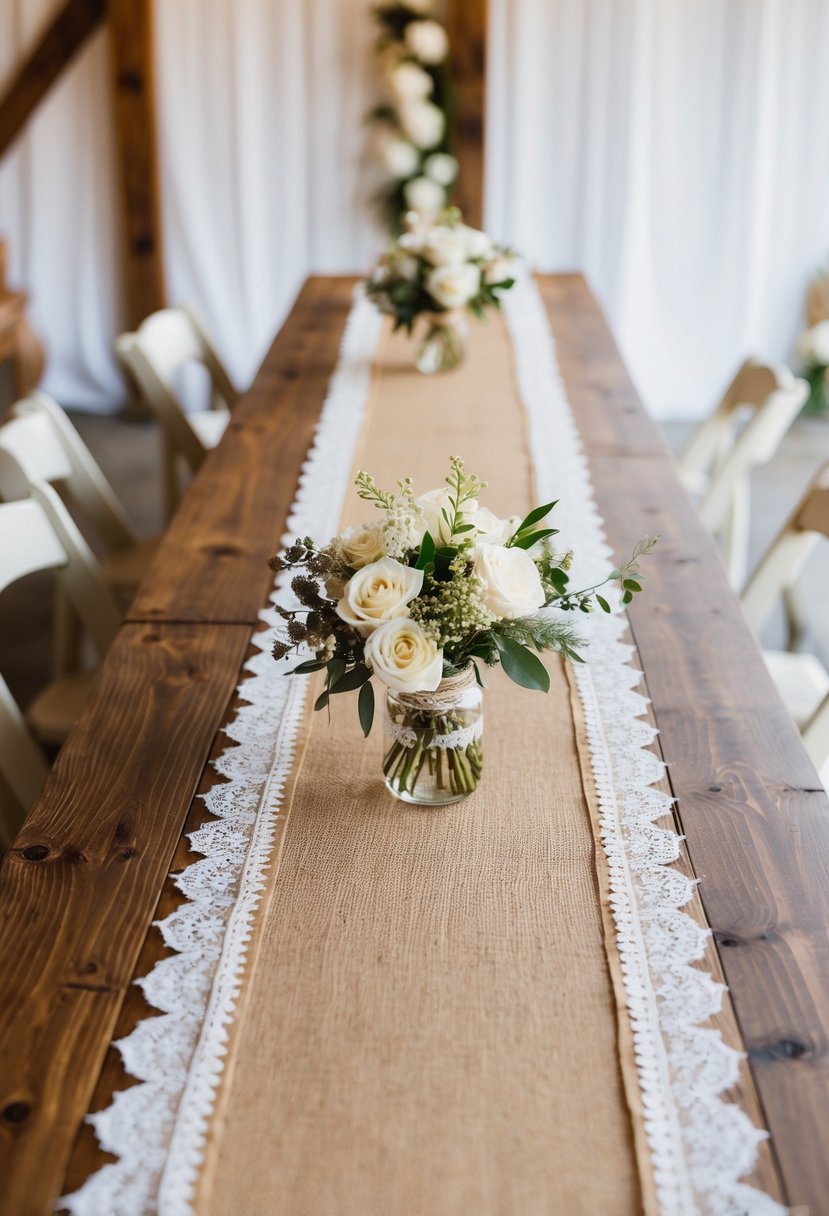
x: 795, y: 625
x: 169, y: 478
x: 67, y: 634
x: 816, y: 735
x: 736, y: 536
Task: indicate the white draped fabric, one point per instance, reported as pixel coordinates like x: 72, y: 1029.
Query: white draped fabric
x: 672, y: 151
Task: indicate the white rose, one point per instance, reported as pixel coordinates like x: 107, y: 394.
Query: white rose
x: 478, y: 244
x: 427, y: 41
x: 512, y: 584
x: 432, y: 504
x: 404, y: 657
x: 498, y: 269
x: 398, y: 157
x: 491, y: 529
x: 422, y: 122
x: 377, y: 593
x: 422, y: 194
x: 813, y: 345
x: 360, y: 546
x: 454, y: 286
x: 441, y: 167
x: 407, y: 267
x: 408, y: 82
x: 443, y: 246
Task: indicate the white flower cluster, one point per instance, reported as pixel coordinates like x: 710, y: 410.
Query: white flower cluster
x: 453, y: 263
x: 412, y: 127
x: 406, y: 628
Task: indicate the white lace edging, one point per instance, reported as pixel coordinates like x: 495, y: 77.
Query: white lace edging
x: 455, y: 739
x: 700, y: 1145
x: 157, y: 1128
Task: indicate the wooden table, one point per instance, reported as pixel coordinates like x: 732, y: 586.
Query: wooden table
x: 88, y: 871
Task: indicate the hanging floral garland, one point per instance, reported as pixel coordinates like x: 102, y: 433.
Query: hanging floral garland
x: 813, y: 344
x: 412, y: 137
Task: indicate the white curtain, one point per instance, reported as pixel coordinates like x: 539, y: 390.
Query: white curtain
x: 261, y: 108
x: 677, y: 154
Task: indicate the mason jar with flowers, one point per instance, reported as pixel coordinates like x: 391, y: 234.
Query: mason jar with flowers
x: 440, y: 272
x: 423, y: 599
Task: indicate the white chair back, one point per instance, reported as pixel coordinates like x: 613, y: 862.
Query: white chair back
x: 47, y: 449
x: 717, y: 463
x: 37, y: 533
x: 164, y: 343
x: 775, y: 576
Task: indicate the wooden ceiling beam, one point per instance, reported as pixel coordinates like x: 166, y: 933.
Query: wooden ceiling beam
x: 59, y: 44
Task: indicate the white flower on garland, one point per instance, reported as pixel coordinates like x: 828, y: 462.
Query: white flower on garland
x: 424, y: 195
x: 454, y: 286
x: 813, y: 345
x: 427, y: 41
x: 499, y: 269
x: 398, y: 157
x: 409, y: 82
x: 444, y: 245
x: 441, y: 167
x: 423, y: 123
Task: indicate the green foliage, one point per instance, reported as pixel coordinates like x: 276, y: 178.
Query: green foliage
x: 521, y: 665
x: 365, y: 707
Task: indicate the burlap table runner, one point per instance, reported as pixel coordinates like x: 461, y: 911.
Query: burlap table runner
x: 428, y: 1024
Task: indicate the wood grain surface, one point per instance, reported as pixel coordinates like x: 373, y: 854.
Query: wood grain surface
x: 467, y: 28
x: 80, y: 885
x: 749, y: 800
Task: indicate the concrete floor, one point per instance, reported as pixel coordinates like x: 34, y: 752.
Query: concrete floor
x: 128, y: 452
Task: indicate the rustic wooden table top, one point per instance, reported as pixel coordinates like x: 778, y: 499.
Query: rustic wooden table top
x: 89, y: 870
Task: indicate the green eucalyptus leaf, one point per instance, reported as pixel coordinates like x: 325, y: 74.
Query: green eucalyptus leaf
x: 535, y: 516
x: 532, y: 538
x: 322, y: 700
x: 336, y: 671
x: 603, y: 604
x: 522, y: 666
x: 306, y: 668
x: 365, y: 707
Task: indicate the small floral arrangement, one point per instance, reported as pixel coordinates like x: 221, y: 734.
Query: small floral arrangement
x: 441, y: 270
x: 424, y: 598
x: 411, y: 128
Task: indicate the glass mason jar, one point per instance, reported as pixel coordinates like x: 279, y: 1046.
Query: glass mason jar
x: 434, y: 754
x: 444, y: 345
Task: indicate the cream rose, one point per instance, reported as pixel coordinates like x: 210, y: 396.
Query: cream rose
x: 362, y: 545
x: 444, y: 246
x: 441, y: 167
x: 422, y: 122
x: 512, y: 584
x: 427, y: 41
x: 398, y: 157
x: 404, y: 657
x: 408, y: 82
x: 491, y: 529
x: 454, y: 286
x: 498, y: 269
x: 422, y: 194
x: 377, y: 593
x: 478, y: 244
x: 432, y: 504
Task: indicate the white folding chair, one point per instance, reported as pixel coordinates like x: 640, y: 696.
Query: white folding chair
x: 47, y: 448
x: 801, y: 679
x: 38, y: 533
x: 744, y: 431
x: 152, y: 357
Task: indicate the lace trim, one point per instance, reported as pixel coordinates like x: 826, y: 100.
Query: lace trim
x: 700, y: 1146
x: 455, y: 739
x: 157, y: 1129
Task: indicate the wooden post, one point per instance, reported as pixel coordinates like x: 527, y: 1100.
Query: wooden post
x: 467, y: 26
x: 131, y: 39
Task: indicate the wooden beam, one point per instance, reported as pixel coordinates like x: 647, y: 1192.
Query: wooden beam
x: 61, y: 42
x: 467, y: 26
x: 131, y: 40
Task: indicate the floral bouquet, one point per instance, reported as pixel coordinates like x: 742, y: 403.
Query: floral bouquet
x: 411, y: 128
x: 440, y: 270
x: 813, y: 350
x: 424, y: 599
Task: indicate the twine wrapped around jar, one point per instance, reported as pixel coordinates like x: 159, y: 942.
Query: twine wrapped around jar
x: 443, y: 697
